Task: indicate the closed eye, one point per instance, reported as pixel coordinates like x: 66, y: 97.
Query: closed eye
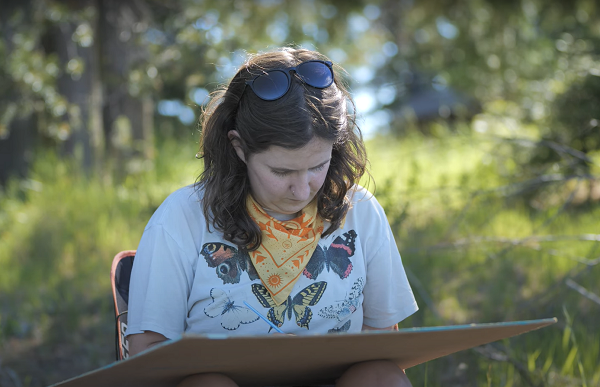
x: 319, y: 168
x: 284, y: 172
x: 281, y: 173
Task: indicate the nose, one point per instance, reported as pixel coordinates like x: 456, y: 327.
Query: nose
x: 300, y: 187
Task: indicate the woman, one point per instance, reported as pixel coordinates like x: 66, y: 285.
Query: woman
x: 276, y: 222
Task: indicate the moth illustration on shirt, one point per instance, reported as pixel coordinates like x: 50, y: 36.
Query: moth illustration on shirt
x: 335, y: 257
x: 343, y: 310
x: 232, y: 315
x: 299, y: 304
x: 341, y: 329
x: 228, y: 261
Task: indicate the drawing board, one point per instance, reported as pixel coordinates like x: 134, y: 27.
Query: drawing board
x: 293, y: 360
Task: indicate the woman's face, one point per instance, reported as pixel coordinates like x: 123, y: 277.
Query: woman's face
x: 285, y: 180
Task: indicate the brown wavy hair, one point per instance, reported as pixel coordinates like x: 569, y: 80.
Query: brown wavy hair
x: 289, y: 122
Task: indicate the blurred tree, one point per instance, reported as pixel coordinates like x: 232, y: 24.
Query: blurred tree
x: 128, y: 108
x: 525, y: 52
x: 86, y: 73
x: 80, y: 73
x: 71, y: 79
x: 71, y: 41
x: 16, y: 148
x: 573, y: 122
x: 197, y: 46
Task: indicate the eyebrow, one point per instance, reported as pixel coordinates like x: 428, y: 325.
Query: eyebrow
x: 293, y: 170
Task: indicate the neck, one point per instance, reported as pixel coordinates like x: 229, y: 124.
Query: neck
x: 279, y: 216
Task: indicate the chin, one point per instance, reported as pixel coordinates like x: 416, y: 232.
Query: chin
x: 292, y: 209
x: 291, y: 206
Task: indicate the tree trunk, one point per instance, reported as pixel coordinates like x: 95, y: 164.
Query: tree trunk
x: 17, y: 137
x: 110, y: 116
x: 83, y: 91
x: 127, y: 112
x: 17, y: 149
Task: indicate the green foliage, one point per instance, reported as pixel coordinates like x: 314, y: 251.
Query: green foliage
x: 473, y: 254
x: 30, y: 73
x: 492, y: 218
x: 574, y: 125
x: 59, y: 230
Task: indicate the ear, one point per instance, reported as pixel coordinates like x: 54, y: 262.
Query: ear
x: 234, y: 137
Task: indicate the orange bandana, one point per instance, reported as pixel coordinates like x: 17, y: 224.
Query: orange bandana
x: 286, y: 247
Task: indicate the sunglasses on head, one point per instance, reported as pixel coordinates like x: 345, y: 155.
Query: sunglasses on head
x: 273, y: 84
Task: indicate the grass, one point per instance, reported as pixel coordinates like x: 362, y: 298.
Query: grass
x: 474, y: 252
x: 59, y: 230
x: 477, y: 253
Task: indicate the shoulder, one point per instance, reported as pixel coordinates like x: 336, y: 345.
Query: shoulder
x: 185, y: 203
x: 189, y: 195
x: 365, y: 210
x: 180, y: 219
x: 362, y: 199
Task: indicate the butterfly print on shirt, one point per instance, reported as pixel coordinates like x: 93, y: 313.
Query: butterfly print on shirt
x: 232, y: 315
x: 343, y: 310
x: 341, y: 329
x: 336, y: 257
x: 309, y: 296
x: 228, y: 261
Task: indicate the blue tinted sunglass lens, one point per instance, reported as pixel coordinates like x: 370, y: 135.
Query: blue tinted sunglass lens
x: 271, y: 85
x: 315, y: 74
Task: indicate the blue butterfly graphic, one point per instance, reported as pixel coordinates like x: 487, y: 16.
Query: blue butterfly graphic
x: 232, y: 315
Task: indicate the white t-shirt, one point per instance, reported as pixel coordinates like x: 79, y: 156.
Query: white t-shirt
x: 187, y: 279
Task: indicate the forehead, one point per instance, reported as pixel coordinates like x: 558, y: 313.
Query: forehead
x: 315, y: 152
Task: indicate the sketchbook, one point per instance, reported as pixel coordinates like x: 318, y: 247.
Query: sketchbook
x: 293, y: 360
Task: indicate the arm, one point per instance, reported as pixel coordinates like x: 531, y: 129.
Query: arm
x: 142, y: 341
x: 368, y: 328
x: 388, y: 297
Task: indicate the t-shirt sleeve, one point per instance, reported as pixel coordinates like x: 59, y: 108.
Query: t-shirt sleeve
x: 388, y: 297
x: 160, y: 284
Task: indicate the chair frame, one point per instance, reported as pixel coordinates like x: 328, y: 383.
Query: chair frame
x: 121, y: 342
